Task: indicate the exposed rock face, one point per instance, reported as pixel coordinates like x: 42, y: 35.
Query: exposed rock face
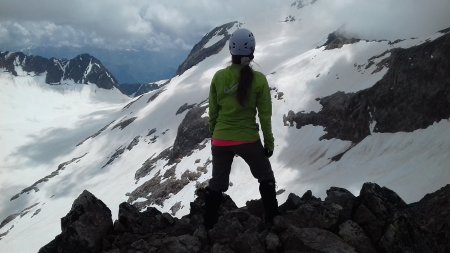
x: 191, y: 132
x: 414, y: 93
x: 123, y: 123
x: 379, y: 222
x: 433, y: 213
x: 83, y: 228
x: 83, y: 68
x: 184, y: 107
x: 337, y: 40
x: 200, y: 52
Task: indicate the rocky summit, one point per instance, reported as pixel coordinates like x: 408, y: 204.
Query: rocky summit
x: 377, y: 220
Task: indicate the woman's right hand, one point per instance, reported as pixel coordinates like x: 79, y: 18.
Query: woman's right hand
x: 268, y: 152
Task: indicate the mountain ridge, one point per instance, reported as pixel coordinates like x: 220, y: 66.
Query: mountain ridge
x: 82, y: 69
x: 378, y: 220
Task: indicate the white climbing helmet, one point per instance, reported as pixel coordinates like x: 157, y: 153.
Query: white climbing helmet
x: 242, y: 42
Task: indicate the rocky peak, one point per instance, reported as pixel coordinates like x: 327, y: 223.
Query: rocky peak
x: 337, y: 39
x: 84, y: 227
x: 82, y: 69
x: 199, y: 52
x: 377, y: 220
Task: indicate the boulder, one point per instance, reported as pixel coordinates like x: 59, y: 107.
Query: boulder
x: 313, y: 240
x: 83, y: 228
x: 344, y: 198
x: 354, y: 235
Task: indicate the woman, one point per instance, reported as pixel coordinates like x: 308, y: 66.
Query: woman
x: 237, y: 93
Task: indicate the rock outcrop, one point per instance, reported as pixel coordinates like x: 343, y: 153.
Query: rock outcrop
x: 413, y: 94
x: 83, y: 228
x: 337, y: 39
x: 200, y: 52
x: 378, y: 220
x: 192, y: 131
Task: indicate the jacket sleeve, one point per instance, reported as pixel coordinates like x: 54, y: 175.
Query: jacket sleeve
x: 213, y: 106
x: 264, y: 105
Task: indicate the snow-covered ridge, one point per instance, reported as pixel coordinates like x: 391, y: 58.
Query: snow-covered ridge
x: 81, y: 69
x: 212, y: 43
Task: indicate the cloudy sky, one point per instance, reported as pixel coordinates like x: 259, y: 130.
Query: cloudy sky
x: 179, y: 24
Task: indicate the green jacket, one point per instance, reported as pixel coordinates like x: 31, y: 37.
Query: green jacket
x: 228, y: 120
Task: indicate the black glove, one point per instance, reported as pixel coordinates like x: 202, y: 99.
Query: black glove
x: 268, y: 152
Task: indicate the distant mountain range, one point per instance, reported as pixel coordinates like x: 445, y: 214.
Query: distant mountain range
x: 128, y: 66
x: 83, y: 69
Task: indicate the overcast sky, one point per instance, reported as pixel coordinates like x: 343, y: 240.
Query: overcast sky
x: 179, y: 24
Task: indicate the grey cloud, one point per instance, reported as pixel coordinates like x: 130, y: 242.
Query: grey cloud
x: 384, y: 19
x: 117, y: 23
x: 158, y: 25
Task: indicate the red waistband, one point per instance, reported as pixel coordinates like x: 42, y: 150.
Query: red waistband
x: 222, y: 143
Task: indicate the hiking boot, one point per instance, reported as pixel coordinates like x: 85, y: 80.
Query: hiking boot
x: 269, y: 199
x: 212, y: 204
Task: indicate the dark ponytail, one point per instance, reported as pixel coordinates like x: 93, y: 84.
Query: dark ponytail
x: 245, y: 78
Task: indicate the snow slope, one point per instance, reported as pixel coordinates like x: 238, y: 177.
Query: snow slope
x: 41, y: 124
x: 105, y: 141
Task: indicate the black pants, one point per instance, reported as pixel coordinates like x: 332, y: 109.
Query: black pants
x: 253, y: 155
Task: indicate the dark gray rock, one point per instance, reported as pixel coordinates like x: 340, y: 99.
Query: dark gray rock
x: 83, y: 228
x: 432, y: 213
x: 404, y: 235
x: 292, y: 202
x: 124, y: 123
x: 381, y: 223
x: 181, y: 244
x: 377, y: 207
x: 313, y: 240
x: 170, y: 172
x: 337, y: 40
x: 184, y: 107
x: 155, y: 95
x: 240, y: 230
x: 199, y: 52
x: 175, y: 208
x: 314, y: 214
x: 354, y: 236
x: 119, y: 151
x: 20, y: 214
x: 413, y: 94
x: 192, y: 131
x: 344, y: 198
x: 157, y: 191
x: 273, y: 243
x: 133, y: 143
x: 150, y: 163
x: 152, y: 131
x: 130, y: 220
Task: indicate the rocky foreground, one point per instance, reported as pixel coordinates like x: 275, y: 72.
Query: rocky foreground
x: 378, y: 220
